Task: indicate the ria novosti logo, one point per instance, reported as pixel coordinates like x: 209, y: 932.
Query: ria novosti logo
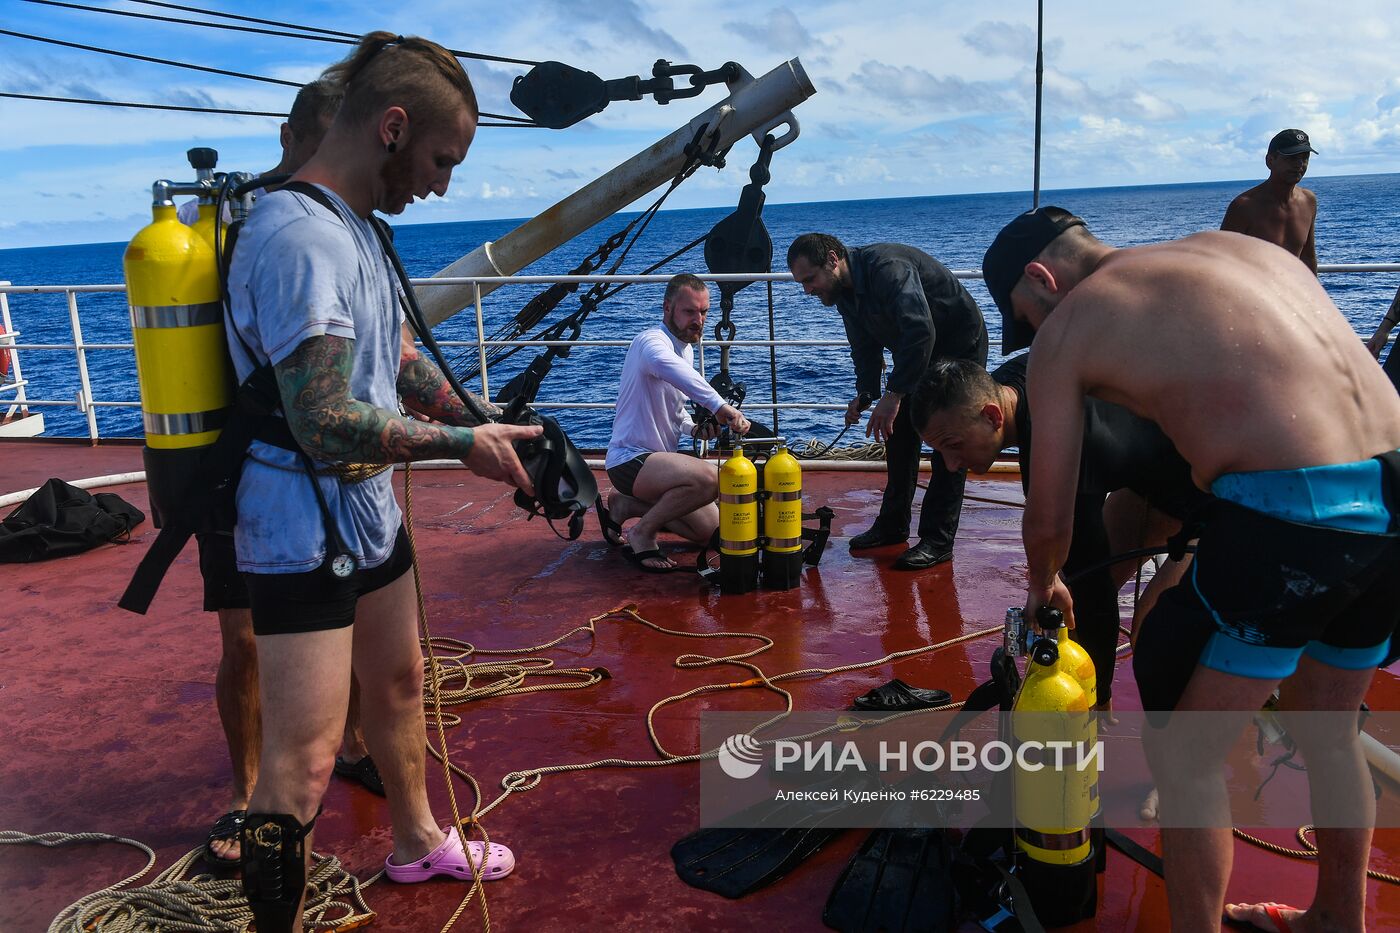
x: 740, y: 756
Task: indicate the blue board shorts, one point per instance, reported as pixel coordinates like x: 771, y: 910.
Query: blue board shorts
x: 1289, y: 562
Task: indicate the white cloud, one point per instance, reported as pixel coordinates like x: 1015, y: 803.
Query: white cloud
x: 906, y: 87
x: 781, y: 31
x: 911, y: 99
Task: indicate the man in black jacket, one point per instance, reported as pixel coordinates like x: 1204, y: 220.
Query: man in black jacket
x: 897, y: 298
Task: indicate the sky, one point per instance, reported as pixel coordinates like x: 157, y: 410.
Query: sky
x: 913, y: 99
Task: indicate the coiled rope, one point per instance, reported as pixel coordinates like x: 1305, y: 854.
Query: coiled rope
x: 1309, y: 850
x: 198, y: 902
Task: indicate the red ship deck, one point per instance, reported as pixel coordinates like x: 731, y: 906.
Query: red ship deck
x: 110, y: 721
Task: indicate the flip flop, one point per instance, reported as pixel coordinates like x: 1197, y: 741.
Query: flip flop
x: 449, y: 859
x: 612, y: 531
x: 897, y: 696
x: 1273, y: 911
x: 637, y: 557
x: 363, y: 771
x: 225, y: 828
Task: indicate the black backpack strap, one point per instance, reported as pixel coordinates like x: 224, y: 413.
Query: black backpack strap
x: 1140, y: 854
x: 315, y: 194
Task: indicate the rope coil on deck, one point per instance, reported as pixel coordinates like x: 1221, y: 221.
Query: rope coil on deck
x: 194, y: 903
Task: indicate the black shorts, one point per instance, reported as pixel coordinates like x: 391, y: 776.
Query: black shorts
x: 1260, y: 593
x: 317, y: 600
x: 625, y: 474
x: 224, y: 585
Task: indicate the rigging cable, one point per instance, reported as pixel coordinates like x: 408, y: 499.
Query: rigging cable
x: 598, y: 292
x: 209, y: 70
x: 480, y: 56
x: 182, y: 109
x: 139, y: 106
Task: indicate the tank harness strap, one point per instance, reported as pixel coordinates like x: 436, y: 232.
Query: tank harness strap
x: 702, y: 560
x: 1143, y: 856
x: 207, y: 501
x: 984, y: 873
x: 812, y: 554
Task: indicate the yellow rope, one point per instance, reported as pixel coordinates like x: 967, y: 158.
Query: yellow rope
x: 1309, y: 850
x: 198, y: 902
x: 449, y: 769
x: 531, y: 778
x: 813, y: 449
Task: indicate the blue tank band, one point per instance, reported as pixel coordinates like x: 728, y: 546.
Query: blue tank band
x: 1232, y: 656
x: 1348, y: 659
x: 1345, y: 496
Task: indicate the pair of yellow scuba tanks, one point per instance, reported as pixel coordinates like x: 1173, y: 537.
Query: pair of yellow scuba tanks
x: 1059, y: 844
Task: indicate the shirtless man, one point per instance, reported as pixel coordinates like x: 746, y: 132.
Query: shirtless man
x: 1278, y: 210
x: 1240, y: 357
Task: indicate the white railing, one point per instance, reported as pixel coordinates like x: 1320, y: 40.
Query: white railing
x: 87, y: 404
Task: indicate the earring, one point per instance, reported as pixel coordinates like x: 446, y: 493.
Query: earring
x: 392, y: 147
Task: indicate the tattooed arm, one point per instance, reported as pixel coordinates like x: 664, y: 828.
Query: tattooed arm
x: 425, y: 389
x: 314, y: 382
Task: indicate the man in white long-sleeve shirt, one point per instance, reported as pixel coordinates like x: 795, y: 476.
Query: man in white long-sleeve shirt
x: 653, y: 483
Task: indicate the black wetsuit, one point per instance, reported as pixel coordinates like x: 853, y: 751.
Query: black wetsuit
x: 1121, y: 451
x: 1392, y: 365
x: 904, y: 300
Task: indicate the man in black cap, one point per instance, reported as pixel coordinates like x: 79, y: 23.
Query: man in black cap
x: 897, y: 298
x: 1252, y: 373
x: 1278, y: 210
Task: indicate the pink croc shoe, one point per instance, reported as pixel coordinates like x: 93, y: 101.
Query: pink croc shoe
x: 448, y: 859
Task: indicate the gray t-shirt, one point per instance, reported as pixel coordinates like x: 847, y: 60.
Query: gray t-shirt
x: 300, y: 271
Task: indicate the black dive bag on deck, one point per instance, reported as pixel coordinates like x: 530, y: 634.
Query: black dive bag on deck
x: 60, y: 519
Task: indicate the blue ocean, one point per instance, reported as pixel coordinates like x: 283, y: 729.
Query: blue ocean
x: 1358, y: 221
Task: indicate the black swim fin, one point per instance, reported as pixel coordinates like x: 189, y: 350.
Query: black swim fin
x: 899, y: 881
x: 737, y: 861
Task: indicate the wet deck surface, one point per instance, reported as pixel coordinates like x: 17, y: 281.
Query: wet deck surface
x: 110, y: 725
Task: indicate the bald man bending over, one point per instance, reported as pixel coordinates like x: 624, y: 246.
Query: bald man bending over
x: 1237, y: 353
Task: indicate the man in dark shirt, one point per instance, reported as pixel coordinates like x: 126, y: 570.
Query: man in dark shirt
x: 897, y: 298
x: 970, y: 416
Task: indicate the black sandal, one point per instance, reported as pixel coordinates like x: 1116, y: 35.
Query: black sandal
x: 363, y: 771
x: 612, y: 531
x: 225, y: 828
x: 897, y: 697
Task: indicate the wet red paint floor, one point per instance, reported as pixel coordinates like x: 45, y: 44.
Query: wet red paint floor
x: 109, y: 722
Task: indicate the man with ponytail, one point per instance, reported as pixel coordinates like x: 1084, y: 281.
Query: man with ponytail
x: 319, y: 533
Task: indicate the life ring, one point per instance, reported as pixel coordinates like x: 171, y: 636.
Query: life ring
x: 4, y: 359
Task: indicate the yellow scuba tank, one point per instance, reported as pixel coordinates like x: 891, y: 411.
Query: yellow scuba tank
x: 782, y: 520
x: 204, y: 226
x: 1080, y: 666
x: 738, y: 524
x: 1052, y: 798
x: 182, y: 361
